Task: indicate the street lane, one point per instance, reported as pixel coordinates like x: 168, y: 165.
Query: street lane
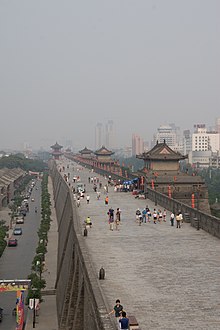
x: 15, y: 262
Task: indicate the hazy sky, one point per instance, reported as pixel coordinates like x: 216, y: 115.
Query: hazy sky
x: 66, y: 65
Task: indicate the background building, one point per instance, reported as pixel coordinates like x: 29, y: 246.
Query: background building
x: 187, y: 142
x: 203, y: 140
x: 217, y: 125
x: 171, y: 134
x: 98, y: 136
x: 137, y: 145
x: 105, y: 135
x: 110, y: 134
x: 205, y: 147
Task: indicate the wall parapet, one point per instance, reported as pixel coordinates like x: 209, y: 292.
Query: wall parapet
x: 204, y: 221
x: 80, y: 301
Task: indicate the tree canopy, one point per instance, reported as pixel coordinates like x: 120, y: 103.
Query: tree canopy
x: 26, y: 164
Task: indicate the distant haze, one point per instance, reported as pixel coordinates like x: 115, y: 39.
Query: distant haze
x: 66, y: 65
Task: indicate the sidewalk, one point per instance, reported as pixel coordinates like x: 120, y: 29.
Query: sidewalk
x: 47, y: 315
x: 4, y: 215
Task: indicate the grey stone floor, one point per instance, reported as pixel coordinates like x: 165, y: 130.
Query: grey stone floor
x: 168, y: 278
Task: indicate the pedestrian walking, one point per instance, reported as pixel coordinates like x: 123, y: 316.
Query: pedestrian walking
x: 148, y: 215
x: 160, y: 216
x: 111, y: 213
x: 117, y: 223
x: 106, y: 200
x: 78, y: 201
x: 144, y: 215
x: 164, y: 215
x: 172, y: 217
x: 117, y: 309
x: 138, y: 212
x: 155, y: 216
x: 111, y: 223
x: 181, y: 217
x: 118, y: 214
x: 87, y: 199
x: 88, y: 222
x: 178, y: 221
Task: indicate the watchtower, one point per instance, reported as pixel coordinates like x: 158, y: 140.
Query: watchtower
x: 56, y: 153
x: 162, y: 172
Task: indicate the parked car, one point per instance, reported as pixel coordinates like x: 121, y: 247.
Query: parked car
x: 23, y: 212
x: 1, y: 314
x: 12, y: 242
x: 19, y: 220
x: 17, y: 231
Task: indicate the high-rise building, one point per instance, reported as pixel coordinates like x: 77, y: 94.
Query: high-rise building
x: 98, y: 136
x: 110, y: 135
x: 137, y: 145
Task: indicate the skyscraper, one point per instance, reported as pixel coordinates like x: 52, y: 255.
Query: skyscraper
x: 137, y: 145
x: 98, y: 136
x: 110, y: 135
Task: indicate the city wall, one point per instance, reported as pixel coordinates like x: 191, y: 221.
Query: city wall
x: 80, y: 301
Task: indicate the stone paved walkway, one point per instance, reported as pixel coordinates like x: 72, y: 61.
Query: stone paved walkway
x: 167, y: 277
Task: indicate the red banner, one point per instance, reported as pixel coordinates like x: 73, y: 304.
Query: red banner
x: 169, y: 191
x: 20, y: 310
x: 193, y: 201
x: 152, y: 184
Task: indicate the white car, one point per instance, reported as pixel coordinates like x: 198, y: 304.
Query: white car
x: 19, y: 220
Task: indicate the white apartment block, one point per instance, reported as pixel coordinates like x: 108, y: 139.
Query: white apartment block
x: 202, y: 140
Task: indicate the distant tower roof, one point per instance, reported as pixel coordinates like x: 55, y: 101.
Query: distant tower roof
x: 56, y: 146
x: 103, y: 151
x: 56, y: 150
x: 86, y: 151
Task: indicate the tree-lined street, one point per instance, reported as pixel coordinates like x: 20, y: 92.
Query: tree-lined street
x: 16, y: 262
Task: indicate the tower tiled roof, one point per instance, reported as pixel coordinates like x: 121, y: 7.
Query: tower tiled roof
x: 56, y: 146
x: 104, y: 151
x: 85, y: 151
x: 161, y: 151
